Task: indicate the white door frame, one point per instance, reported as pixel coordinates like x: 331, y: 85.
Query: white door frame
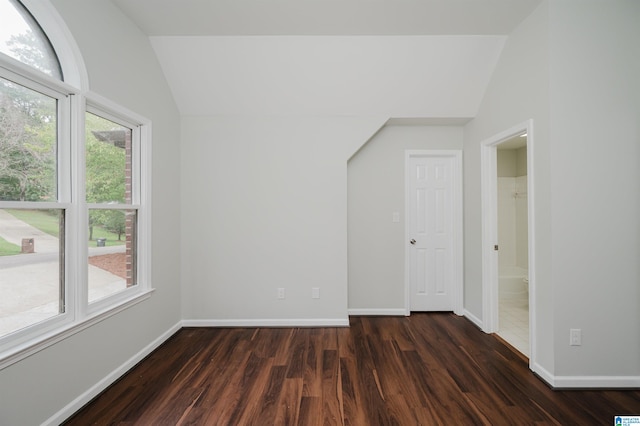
x: 489, y: 194
x: 456, y: 172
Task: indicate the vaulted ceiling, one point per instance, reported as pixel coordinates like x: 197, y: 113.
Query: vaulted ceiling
x: 411, y: 58
x: 327, y: 17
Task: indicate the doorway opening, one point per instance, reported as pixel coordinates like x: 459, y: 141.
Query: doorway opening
x: 508, y: 237
x: 513, y: 261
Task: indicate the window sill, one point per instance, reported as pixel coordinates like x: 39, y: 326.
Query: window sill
x: 26, y: 349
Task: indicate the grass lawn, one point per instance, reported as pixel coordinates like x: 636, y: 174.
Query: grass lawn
x: 41, y: 220
x: 7, y: 248
x: 48, y: 223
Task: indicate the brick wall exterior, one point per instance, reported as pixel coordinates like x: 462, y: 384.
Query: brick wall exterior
x: 130, y: 216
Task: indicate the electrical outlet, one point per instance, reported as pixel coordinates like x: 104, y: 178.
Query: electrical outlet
x: 280, y: 293
x: 315, y: 292
x: 575, y: 337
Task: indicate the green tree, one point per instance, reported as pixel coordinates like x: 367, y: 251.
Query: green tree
x: 105, y: 172
x: 27, y: 144
x: 115, y: 222
x: 28, y: 128
x: 35, y: 51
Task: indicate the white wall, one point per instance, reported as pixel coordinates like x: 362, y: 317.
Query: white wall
x: 572, y: 67
x: 518, y: 91
x: 122, y: 67
x: 399, y: 76
x: 376, y: 190
x: 265, y: 206
x: 268, y: 126
x: 595, y: 152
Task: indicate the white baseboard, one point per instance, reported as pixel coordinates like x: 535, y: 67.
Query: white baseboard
x: 586, y: 382
x: 313, y: 322
x: 595, y: 382
x: 382, y: 312
x: 92, y: 392
x: 474, y: 319
x: 542, y: 373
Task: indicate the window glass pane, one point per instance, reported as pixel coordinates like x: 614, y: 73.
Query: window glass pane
x: 31, y: 269
x: 28, y: 142
x: 22, y: 39
x: 108, y: 161
x: 112, y: 251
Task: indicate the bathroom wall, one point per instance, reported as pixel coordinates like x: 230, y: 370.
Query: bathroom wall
x: 512, y: 208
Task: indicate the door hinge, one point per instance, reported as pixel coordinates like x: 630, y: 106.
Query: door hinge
x: 495, y: 247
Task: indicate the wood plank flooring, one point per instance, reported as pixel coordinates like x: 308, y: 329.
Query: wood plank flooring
x: 426, y: 369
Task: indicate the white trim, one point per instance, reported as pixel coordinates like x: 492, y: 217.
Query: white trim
x: 26, y: 75
x: 489, y: 201
x: 474, y: 319
x: 596, y: 382
x: 40, y: 342
x: 378, y: 312
x: 458, y: 242
x: 141, y: 181
x: 109, y: 379
x: 541, y: 372
x: 490, y: 233
x: 106, y: 108
x: 586, y: 382
x: 55, y: 28
x: 244, y: 323
x: 34, y: 205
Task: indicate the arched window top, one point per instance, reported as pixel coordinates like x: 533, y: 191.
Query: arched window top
x: 22, y: 38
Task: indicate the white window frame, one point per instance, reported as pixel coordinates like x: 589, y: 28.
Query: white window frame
x: 79, y: 314
x: 141, y: 179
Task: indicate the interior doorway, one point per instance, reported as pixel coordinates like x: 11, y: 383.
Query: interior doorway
x: 513, y: 235
x: 508, y: 238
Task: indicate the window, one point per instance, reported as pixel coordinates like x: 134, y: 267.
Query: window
x: 74, y: 204
x: 32, y: 229
x: 22, y: 39
x: 110, y: 191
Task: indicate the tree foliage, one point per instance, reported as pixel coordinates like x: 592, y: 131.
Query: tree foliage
x: 27, y: 144
x: 34, y: 51
x: 105, y: 175
x: 28, y: 129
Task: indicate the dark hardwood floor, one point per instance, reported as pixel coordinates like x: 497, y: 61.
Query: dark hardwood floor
x: 426, y: 369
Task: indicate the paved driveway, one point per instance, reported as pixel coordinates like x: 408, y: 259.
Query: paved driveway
x: 30, y: 283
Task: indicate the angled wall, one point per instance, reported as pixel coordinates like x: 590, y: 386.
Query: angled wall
x: 265, y: 207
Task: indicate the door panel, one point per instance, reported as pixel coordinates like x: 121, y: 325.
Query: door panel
x: 431, y: 226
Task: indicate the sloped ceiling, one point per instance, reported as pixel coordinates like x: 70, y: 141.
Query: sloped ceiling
x: 409, y: 59
x: 421, y: 76
x: 327, y: 17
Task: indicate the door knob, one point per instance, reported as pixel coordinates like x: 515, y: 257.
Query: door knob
x: 413, y: 241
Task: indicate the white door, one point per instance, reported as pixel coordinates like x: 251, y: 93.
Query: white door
x: 432, y: 215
